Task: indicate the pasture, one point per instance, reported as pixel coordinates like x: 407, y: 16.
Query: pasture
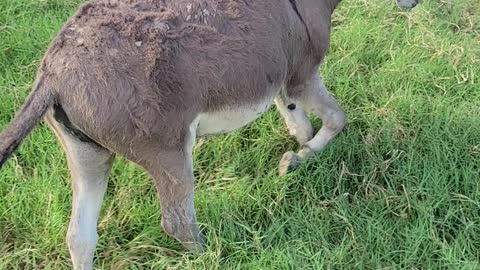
x: 398, y: 189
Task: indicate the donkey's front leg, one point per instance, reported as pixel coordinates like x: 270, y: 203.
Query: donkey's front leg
x: 314, y: 97
x: 298, y: 124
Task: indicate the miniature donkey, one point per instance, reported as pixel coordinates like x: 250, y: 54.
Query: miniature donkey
x: 143, y: 78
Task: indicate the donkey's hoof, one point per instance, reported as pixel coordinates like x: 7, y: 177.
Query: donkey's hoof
x: 289, y: 162
x: 200, y: 246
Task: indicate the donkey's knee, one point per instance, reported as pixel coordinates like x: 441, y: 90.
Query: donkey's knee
x: 336, y: 120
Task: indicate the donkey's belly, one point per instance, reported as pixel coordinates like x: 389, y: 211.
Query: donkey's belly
x: 230, y: 119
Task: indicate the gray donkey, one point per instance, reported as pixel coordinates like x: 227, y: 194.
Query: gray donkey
x: 143, y: 78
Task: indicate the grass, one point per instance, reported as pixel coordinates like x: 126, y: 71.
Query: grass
x: 398, y: 189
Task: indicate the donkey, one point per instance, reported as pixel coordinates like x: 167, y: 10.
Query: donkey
x: 143, y: 79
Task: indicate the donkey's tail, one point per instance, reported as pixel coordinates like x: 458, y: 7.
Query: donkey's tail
x: 25, y: 120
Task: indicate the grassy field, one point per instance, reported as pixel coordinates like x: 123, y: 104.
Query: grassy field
x: 398, y: 189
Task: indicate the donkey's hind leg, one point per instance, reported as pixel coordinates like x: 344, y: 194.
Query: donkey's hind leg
x: 90, y: 166
x: 171, y: 168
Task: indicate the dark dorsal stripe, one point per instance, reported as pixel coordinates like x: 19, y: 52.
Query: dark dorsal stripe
x: 294, y: 6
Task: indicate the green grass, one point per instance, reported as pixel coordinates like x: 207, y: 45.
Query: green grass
x: 398, y: 189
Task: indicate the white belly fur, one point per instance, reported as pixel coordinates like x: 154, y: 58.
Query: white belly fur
x: 230, y: 118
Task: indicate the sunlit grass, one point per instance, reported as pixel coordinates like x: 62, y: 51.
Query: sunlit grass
x: 398, y: 189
